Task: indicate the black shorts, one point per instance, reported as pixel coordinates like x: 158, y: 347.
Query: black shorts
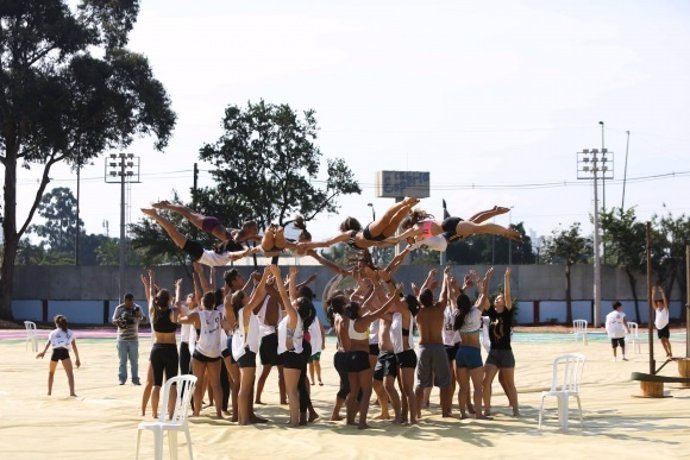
x: 203, y: 358
x: 292, y: 360
x: 616, y: 342
x: 269, y: 350
x: 374, y: 349
x: 663, y: 333
x: 248, y: 359
x: 59, y: 354
x: 358, y: 361
x: 386, y: 365
x: 164, y: 357
x: 193, y: 249
x: 451, y: 351
x: 502, y: 359
x: 449, y: 226
x: 367, y: 235
x: 406, y: 359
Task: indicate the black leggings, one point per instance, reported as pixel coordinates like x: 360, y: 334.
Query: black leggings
x: 163, y: 357
x: 185, y: 359
x: 340, y: 364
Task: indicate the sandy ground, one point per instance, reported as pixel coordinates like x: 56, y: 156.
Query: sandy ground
x: 101, y: 423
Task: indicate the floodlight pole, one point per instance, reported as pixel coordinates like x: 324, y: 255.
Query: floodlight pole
x: 124, y: 166
x: 597, y: 256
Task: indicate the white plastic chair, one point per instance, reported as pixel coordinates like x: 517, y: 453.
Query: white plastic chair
x: 634, y: 335
x: 567, y: 373
x: 178, y: 422
x: 580, y: 330
x: 31, y: 335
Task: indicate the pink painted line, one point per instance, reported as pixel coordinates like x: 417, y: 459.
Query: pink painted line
x: 105, y: 333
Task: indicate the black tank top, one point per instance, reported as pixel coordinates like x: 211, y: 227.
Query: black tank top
x: 162, y: 322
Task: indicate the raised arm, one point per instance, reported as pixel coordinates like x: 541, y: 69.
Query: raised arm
x: 507, y: 296
x: 443, y: 297
x: 280, y: 285
x: 199, y: 270
x: 663, y: 297
x: 258, y: 293
x: 364, y: 321
x: 327, y: 263
x: 178, y: 291
x: 397, y: 261
x: 430, y: 281
x: 483, y: 300
x: 324, y: 244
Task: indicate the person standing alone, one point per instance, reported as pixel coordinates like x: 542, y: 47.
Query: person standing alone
x: 127, y: 317
x: 616, y: 328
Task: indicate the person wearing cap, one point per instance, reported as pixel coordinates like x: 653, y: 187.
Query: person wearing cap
x: 616, y: 328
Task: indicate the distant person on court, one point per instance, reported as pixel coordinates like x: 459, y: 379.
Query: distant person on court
x: 61, y: 339
x: 616, y: 328
x: 127, y: 317
x: 661, y: 320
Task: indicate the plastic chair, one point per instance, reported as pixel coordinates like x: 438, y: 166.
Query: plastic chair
x: 31, y: 336
x: 567, y: 373
x: 580, y: 329
x: 634, y: 335
x: 178, y: 422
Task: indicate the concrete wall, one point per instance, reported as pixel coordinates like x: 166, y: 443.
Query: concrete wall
x: 88, y: 295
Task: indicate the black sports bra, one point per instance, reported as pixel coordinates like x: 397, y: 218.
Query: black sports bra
x: 405, y: 332
x: 163, y: 323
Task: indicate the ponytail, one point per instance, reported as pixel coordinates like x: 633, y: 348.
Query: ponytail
x: 61, y: 322
x: 464, y: 307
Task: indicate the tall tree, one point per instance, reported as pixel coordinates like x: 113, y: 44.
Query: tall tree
x: 567, y: 246
x: 673, y: 236
x: 69, y: 91
x: 266, y: 168
x: 625, y: 240
x: 58, y: 208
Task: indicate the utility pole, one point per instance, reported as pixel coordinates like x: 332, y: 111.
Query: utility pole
x: 76, y: 238
x: 194, y: 189
x: 121, y: 168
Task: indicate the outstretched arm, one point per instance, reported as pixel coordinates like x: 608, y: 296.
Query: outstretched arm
x: 430, y: 281
x: 327, y: 263
x: 393, y: 266
x: 483, y: 299
x: 324, y: 244
x: 506, y: 290
x: 199, y: 269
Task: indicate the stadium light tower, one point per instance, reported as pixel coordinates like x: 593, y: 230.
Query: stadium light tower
x: 591, y: 165
x: 121, y: 168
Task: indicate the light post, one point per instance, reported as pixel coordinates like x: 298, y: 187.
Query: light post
x: 121, y: 168
x: 373, y: 211
x: 591, y: 164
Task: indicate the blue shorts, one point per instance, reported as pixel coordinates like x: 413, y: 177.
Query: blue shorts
x: 469, y: 357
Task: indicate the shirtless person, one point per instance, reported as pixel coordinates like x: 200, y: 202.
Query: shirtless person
x: 433, y: 361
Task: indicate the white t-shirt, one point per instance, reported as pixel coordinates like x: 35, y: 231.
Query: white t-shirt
x: 213, y: 259
x: 61, y: 339
x: 615, y: 327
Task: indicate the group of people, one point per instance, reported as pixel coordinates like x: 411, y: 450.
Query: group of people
x: 271, y: 316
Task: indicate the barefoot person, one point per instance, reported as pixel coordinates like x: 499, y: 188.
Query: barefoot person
x: 269, y: 316
x: 469, y: 366
x: 421, y: 229
x: 62, y: 340
x: 661, y: 320
x: 194, y: 249
x: 501, y: 356
x: 376, y: 233
x: 433, y: 368
x: 212, y: 225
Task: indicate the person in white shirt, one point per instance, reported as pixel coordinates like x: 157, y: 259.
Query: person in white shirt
x: 62, y: 340
x: 661, y: 320
x: 616, y: 328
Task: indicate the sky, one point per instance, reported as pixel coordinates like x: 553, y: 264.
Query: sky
x: 492, y: 98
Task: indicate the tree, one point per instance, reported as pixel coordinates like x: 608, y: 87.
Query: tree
x: 673, y: 236
x: 70, y: 90
x: 568, y: 247
x: 625, y: 243
x: 58, y: 208
x: 266, y: 167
